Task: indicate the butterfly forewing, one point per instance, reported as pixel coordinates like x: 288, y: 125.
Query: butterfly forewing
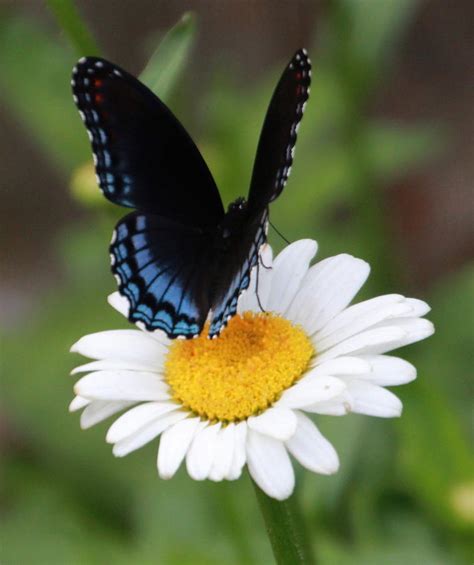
x: 144, y: 158
x: 278, y: 136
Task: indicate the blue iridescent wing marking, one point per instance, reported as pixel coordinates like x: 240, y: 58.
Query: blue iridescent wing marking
x: 144, y: 158
x: 160, y: 268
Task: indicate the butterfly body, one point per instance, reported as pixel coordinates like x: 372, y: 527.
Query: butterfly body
x: 179, y: 258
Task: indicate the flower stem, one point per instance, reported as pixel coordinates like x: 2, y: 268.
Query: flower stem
x: 286, y: 529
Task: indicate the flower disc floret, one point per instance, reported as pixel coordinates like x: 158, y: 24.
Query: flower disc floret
x: 241, y: 373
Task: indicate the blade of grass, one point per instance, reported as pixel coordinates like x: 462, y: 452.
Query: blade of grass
x: 71, y: 22
x: 167, y: 62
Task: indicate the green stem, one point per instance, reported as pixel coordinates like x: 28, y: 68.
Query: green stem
x: 71, y: 22
x: 286, y: 529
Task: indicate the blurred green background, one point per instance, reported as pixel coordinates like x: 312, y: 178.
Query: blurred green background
x: 383, y: 170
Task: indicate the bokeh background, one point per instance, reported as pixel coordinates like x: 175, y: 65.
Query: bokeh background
x: 383, y: 170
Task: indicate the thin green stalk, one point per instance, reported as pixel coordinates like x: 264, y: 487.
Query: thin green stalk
x: 71, y: 22
x: 286, y: 529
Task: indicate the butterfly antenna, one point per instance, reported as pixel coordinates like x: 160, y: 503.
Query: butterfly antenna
x: 280, y: 234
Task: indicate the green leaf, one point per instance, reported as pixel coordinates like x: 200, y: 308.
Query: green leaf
x: 168, y: 61
x: 34, y: 81
x: 70, y: 21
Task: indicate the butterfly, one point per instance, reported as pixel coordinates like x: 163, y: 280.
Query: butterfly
x: 179, y: 258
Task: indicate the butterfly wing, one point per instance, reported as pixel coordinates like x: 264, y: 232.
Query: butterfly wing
x: 270, y: 173
x: 161, y: 268
x: 233, y: 276
x: 278, y: 137
x: 144, y: 158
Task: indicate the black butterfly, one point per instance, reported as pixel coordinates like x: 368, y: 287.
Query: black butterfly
x: 179, y: 257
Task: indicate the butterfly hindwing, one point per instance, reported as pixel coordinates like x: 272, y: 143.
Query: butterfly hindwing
x: 160, y: 268
x: 235, y: 272
x: 278, y: 136
x: 144, y: 157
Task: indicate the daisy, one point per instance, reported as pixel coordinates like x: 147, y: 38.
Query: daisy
x: 244, y: 398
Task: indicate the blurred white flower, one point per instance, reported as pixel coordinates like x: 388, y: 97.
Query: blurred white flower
x: 240, y: 399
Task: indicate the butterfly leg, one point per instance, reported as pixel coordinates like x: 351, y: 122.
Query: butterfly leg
x: 256, y: 285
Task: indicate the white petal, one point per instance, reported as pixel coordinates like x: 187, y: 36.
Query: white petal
x: 308, y: 391
x: 340, y: 405
x: 373, y: 400
x: 160, y: 337
x: 200, y: 456
x: 119, y: 302
x: 340, y: 366
x: 418, y: 307
x: 289, y: 268
x: 328, y: 287
x: 362, y: 323
x: 136, y: 418
x: 356, y: 311
x: 147, y: 433
x: 269, y: 465
x: 77, y: 403
x: 112, y: 365
x: 388, y: 371
x: 122, y: 345
x: 99, y: 410
x: 412, y: 330
x: 223, y: 453
x: 415, y: 329
x: 365, y: 342
x: 240, y: 456
x: 174, y: 444
x: 122, y: 385
x: 311, y: 448
x: 260, y: 282
x: 279, y: 423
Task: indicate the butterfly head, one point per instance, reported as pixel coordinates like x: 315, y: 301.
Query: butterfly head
x: 231, y: 224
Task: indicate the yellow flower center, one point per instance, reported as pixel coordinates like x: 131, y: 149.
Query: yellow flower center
x: 243, y: 371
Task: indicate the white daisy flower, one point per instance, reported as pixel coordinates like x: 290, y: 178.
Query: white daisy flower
x: 241, y: 399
